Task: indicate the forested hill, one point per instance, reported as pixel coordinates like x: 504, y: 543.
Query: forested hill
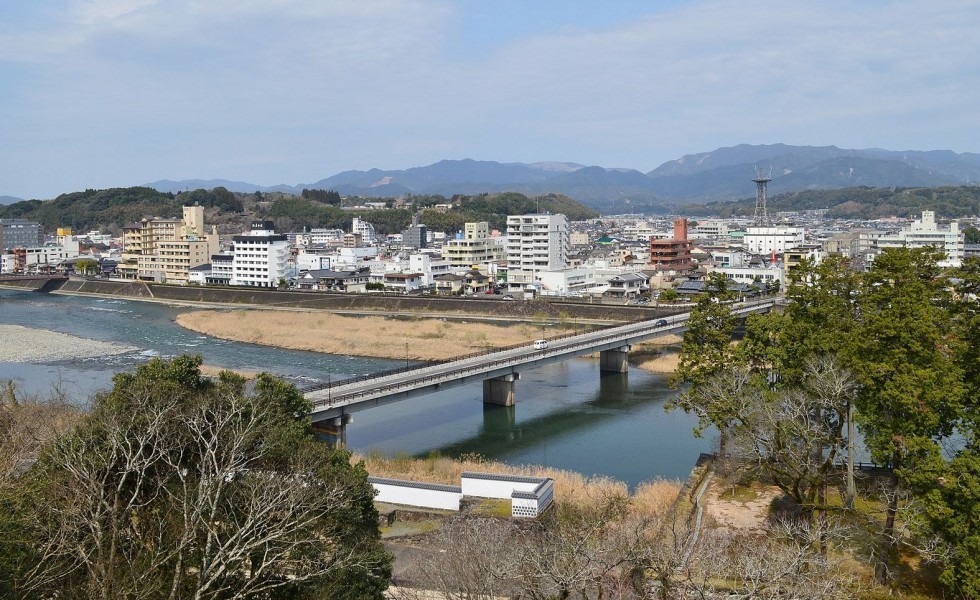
x: 857, y: 203
x: 110, y: 209
x: 293, y: 213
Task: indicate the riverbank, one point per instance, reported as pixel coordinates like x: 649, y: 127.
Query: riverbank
x: 571, y: 488
x: 415, y: 339
x: 30, y: 345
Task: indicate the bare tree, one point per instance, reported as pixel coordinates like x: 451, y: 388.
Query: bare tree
x: 470, y: 559
x: 182, y: 488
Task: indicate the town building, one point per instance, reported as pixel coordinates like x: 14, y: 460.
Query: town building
x: 165, y: 250
x: 416, y: 236
x: 20, y: 233
x: 924, y: 233
x: 260, y: 258
x: 473, y: 246
x: 365, y: 230
x: 765, y: 240
x: 535, y: 242
x: 672, y: 254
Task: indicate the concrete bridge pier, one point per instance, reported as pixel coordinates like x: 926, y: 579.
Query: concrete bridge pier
x: 615, y: 360
x: 500, y: 390
x: 334, y: 430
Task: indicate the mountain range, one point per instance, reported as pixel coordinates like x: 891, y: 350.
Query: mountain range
x: 9, y: 199
x: 722, y: 174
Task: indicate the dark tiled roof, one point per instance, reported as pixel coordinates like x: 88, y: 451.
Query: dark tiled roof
x: 495, y: 477
x: 416, y: 484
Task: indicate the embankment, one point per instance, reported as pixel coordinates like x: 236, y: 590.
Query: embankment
x: 551, y: 309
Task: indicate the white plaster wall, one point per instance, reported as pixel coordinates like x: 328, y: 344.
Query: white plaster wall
x: 412, y: 496
x: 490, y: 488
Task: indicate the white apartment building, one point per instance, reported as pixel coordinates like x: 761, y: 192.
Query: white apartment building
x: 473, y: 247
x: 326, y: 237
x: 366, y: 231
x: 778, y: 239
x: 641, y: 231
x: 7, y: 263
x: 925, y: 232
x: 710, y: 230
x: 260, y: 257
x: 566, y: 282
x: 535, y: 243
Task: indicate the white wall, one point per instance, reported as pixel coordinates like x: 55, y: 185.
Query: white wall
x: 544, y: 494
x: 411, y: 493
x: 485, y: 485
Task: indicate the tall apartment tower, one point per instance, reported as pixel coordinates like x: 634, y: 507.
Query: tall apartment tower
x: 535, y: 243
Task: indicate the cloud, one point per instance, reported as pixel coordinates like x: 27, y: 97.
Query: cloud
x: 291, y: 91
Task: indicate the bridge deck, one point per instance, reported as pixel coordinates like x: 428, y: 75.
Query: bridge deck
x: 348, y: 397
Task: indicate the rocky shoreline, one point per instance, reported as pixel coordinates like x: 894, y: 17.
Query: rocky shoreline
x: 28, y: 345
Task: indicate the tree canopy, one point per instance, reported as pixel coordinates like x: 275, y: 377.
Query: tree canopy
x: 179, y: 486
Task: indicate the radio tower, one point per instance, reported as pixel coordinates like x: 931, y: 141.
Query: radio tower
x: 761, y: 212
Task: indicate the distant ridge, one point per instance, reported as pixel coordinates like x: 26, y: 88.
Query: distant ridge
x: 9, y: 199
x: 718, y: 175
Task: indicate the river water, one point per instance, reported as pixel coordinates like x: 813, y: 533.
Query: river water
x: 567, y: 415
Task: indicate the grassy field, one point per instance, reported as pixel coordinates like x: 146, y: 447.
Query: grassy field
x: 571, y: 488
x: 420, y: 339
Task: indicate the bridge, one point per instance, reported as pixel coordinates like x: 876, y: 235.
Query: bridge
x: 336, y: 402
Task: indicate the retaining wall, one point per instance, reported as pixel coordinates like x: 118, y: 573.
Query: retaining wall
x: 540, y: 308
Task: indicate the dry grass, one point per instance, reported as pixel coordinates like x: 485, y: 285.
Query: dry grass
x: 651, y: 498
x: 213, y: 371
x: 659, y: 355
x: 375, y: 336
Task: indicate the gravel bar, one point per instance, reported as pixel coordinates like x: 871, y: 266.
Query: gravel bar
x: 27, y: 345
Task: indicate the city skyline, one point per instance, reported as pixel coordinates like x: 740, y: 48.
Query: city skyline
x: 104, y: 93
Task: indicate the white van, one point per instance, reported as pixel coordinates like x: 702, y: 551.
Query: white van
x: 540, y: 344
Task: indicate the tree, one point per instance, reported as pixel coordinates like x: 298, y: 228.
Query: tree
x: 87, y: 266
x: 177, y: 486
x: 707, y: 351
x: 903, y: 355
x: 971, y: 235
x: 950, y: 489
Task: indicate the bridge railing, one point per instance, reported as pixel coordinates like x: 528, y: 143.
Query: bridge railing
x: 489, y: 366
x: 429, y: 363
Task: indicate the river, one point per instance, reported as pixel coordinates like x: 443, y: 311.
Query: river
x: 567, y: 415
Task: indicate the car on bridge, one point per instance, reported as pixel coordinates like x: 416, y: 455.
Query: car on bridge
x: 660, y: 323
x: 540, y: 344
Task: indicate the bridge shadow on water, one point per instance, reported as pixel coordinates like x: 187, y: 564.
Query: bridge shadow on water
x: 501, y: 433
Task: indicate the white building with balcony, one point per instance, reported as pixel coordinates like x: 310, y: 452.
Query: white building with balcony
x: 537, y: 242
x: 260, y: 258
x: 925, y: 232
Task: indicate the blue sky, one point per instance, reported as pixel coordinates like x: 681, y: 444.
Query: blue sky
x: 102, y: 93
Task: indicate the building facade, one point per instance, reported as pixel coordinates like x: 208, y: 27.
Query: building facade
x: 20, y: 233
x: 924, y: 233
x: 673, y: 254
x: 473, y: 246
x: 260, y: 257
x: 537, y: 242
x: 778, y: 238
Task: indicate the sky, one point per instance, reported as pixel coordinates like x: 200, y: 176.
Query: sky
x: 106, y: 93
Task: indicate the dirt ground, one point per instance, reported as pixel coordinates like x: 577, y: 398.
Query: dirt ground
x: 745, y: 512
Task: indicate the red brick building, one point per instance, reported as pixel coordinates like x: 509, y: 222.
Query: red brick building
x: 674, y: 254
